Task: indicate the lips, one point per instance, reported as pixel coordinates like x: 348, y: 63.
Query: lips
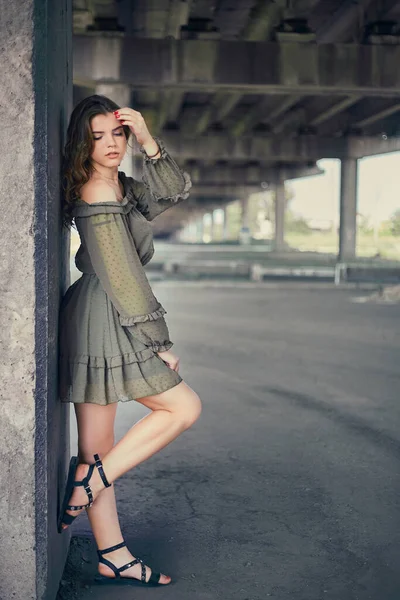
x: 113, y: 154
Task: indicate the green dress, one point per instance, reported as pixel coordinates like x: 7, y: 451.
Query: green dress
x: 111, y: 325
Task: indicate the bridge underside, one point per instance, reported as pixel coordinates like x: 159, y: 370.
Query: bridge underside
x: 248, y: 94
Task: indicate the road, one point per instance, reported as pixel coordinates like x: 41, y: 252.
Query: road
x: 288, y: 484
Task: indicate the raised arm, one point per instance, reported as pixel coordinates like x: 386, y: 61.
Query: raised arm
x: 164, y: 184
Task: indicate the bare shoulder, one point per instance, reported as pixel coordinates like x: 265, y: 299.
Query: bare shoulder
x: 95, y: 191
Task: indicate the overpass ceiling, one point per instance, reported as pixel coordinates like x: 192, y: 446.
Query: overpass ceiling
x: 256, y: 20
x: 242, y: 112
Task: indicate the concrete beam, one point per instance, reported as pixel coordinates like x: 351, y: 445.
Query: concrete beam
x: 246, y: 67
x: 301, y: 9
x: 276, y: 148
x: 382, y: 114
x: 211, y: 202
x: 288, y: 173
x: 170, y: 107
x: 335, y: 110
x: 252, y: 116
x: 226, y: 191
x: 264, y: 18
x: 252, y: 175
x: 262, y: 112
x: 219, y: 108
x: 342, y: 20
x: 262, y: 148
x: 178, y: 15
x: 359, y: 147
x: 283, y: 108
x: 291, y: 120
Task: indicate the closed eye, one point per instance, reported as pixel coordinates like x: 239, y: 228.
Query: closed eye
x: 99, y: 138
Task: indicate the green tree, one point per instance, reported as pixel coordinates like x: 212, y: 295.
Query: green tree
x: 395, y: 223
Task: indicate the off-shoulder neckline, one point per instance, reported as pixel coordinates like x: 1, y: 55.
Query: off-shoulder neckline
x: 127, y: 194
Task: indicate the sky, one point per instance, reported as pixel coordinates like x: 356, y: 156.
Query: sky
x: 317, y: 197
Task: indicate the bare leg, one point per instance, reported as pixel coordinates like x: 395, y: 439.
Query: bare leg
x: 173, y: 411
x: 96, y: 434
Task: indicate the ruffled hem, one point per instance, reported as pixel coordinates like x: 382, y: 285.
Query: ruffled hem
x: 111, y: 362
x: 98, y: 380
x: 126, y: 321
x: 183, y: 195
x: 162, y: 347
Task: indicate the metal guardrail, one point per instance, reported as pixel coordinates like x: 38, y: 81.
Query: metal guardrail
x: 207, y: 267
x: 251, y: 271
x: 352, y: 273
x: 259, y: 272
x: 339, y: 273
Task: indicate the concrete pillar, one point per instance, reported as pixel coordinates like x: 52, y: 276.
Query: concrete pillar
x: 244, y: 234
x: 135, y: 169
x: 36, y: 100
x: 214, y: 226
x: 280, y: 206
x: 191, y: 232
x: 200, y: 229
x: 245, y: 211
x: 218, y: 216
x: 348, y: 209
x: 207, y: 227
x: 225, y: 231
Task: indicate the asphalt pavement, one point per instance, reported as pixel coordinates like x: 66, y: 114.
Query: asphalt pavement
x: 288, y: 484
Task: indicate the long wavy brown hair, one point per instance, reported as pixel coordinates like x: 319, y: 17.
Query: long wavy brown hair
x: 77, y: 167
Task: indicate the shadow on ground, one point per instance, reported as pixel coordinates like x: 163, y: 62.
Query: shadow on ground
x: 287, y: 486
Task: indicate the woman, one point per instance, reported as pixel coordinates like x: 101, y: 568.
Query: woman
x: 113, y: 339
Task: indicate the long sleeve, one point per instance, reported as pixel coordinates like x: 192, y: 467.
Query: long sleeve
x: 164, y: 184
x: 115, y: 261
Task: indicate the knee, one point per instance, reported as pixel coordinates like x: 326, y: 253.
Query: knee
x: 100, y: 446
x: 190, y: 410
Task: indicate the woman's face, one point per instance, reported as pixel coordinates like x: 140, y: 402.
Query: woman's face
x: 108, y: 136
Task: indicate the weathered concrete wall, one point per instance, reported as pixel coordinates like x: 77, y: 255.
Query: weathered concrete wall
x: 35, y: 51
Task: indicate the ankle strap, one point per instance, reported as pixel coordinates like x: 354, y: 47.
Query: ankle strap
x: 85, y: 480
x: 99, y: 466
x: 111, y: 549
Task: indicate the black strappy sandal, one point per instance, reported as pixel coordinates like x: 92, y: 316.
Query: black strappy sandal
x: 118, y: 580
x: 64, y: 517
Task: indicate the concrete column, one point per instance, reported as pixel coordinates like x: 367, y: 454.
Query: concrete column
x: 191, y: 232
x: 214, y: 226
x: 135, y: 169
x: 218, y: 216
x: 348, y: 209
x: 280, y: 205
x: 200, y: 229
x: 244, y: 234
x: 36, y: 100
x: 225, y: 231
